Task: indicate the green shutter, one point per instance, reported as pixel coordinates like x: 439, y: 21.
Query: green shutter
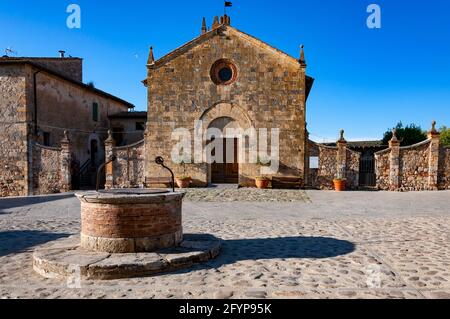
x: 95, y: 112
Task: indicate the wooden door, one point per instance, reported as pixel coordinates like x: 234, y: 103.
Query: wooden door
x: 228, y: 171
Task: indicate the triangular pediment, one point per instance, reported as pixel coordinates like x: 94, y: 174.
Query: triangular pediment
x: 220, y: 31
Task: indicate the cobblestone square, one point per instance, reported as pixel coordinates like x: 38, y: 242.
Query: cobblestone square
x: 305, y: 244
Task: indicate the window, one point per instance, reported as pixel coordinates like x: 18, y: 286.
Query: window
x: 46, y: 136
x: 95, y: 112
x: 223, y: 72
x: 140, y: 126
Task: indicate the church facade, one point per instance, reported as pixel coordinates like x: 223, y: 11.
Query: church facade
x: 225, y: 79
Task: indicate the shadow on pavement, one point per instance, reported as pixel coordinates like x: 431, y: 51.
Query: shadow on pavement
x: 18, y: 241
x: 15, y: 202
x: 278, y: 248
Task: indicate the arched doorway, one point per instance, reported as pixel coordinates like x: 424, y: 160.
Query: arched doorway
x: 225, y: 167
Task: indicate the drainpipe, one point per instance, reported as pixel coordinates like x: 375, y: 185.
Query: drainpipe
x: 35, y: 120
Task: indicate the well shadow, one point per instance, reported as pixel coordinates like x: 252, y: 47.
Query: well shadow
x: 12, y: 242
x: 277, y: 248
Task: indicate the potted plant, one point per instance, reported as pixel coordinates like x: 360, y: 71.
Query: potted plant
x: 262, y: 182
x: 183, y: 181
x: 339, y: 184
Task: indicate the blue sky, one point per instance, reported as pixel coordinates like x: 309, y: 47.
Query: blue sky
x: 366, y: 80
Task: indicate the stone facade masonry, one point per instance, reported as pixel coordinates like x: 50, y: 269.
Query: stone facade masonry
x: 62, y: 104
x: 14, y: 132
x: 269, y: 92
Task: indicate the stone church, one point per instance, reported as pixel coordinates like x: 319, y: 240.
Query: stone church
x: 227, y: 79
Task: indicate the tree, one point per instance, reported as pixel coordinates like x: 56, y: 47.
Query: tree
x: 408, y: 135
x: 445, y: 136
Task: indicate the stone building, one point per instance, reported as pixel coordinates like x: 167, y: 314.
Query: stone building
x: 40, y: 99
x: 227, y: 79
x: 128, y: 127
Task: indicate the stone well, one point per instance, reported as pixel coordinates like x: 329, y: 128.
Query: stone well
x: 126, y: 233
x: 130, y: 221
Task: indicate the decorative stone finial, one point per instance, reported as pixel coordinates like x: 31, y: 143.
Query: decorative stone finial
x: 302, y: 55
x: 151, y: 57
x: 204, y: 28
x: 341, y: 137
x: 216, y: 23
x: 394, y: 135
x: 433, y: 133
x: 433, y: 127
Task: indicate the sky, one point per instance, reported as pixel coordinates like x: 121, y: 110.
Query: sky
x: 366, y: 80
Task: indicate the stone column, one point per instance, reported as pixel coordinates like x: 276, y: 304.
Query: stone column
x: 341, y: 157
x: 433, y: 164
x: 66, y: 160
x: 394, y: 174
x: 109, y: 169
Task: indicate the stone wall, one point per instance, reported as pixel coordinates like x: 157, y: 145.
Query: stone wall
x: 128, y: 170
x: 414, y: 163
x: 269, y: 92
x: 13, y: 132
x: 382, y: 170
x: 51, y: 168
x: 331, y: 165
x: 424, y: 166
x: 352, y: 169
x: 444, y: 168
x: 46, y: 170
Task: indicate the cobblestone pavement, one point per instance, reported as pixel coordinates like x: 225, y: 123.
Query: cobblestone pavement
x: 348, y: 245
x: 244, y: 195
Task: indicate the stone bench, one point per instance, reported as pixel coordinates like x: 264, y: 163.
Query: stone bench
x: 153, y: 181
x: 287, y: 182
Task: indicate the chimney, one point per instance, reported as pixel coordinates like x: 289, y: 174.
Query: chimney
x: 62, y: 54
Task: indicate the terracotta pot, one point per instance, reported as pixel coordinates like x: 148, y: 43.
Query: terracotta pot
x: 339, y: 185
x: 262, y: 183
x: 183, y: 183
